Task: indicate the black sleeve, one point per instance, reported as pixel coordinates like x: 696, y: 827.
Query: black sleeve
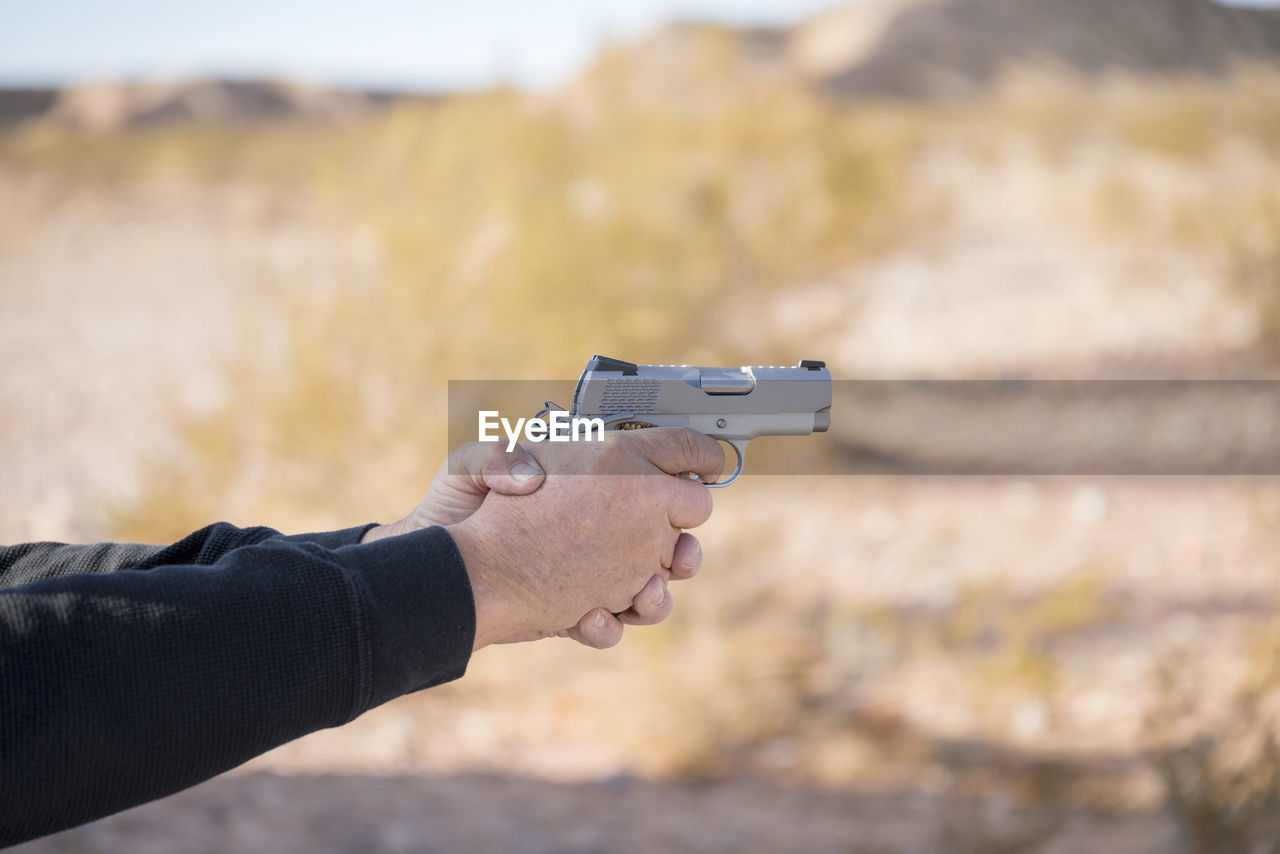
x: 121, y: 687
x: 22, y: 564
x: 29, y: 562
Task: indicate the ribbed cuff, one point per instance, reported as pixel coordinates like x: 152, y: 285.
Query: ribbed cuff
x: 422, y: 617
x: 334, y: 539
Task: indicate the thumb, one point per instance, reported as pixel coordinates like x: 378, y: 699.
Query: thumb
x: 511, y: 473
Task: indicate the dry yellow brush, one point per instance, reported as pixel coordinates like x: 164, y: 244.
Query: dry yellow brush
x: 512, y: 234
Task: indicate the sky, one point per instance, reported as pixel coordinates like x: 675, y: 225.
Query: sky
x: 394, y: 44
x: 399, y: 44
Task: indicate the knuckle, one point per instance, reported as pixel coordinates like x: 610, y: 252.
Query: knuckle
x: 591, y: 636
x: 691, y: 444
x: 686, y: 566
x: 715, y: 455
x: 661, y: 612
x: 609, y: 636
x: 643, y: 608
x: 493, y: 456
x: 496, y: 457
x: 655, y: 613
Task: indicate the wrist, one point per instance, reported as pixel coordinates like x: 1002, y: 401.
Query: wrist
x: 381, y: 532
x: 498, y: 613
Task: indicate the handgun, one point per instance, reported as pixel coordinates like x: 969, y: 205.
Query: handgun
x: 733, y: 405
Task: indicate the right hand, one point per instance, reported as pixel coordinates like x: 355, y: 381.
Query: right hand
x: 585, y: 546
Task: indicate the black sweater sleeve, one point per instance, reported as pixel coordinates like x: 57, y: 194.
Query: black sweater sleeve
x: 29, y: 562
x: 120, y: 687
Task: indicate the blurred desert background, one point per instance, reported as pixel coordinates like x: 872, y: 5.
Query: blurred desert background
x: 243, y: 300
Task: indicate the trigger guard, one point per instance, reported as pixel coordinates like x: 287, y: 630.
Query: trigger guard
x: 742, y: 458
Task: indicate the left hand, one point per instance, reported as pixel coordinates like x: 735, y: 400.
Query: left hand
x: 600, y: 629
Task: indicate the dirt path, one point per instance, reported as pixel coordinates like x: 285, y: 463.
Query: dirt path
x: 475, y: 813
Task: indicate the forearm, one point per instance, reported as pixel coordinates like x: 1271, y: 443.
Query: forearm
x: 120, y: 688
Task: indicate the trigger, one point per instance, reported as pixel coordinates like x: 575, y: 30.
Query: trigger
x: 737, y: 470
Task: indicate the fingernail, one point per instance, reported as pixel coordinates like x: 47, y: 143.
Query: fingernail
x: 693, y: 561
x: 523, y: 471
x: 598, y: 619
x: 660, y: 595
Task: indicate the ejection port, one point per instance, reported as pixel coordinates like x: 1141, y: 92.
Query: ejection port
x: 726, y: 381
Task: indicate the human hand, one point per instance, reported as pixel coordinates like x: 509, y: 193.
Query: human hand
x: 481, y: 468
x: 601, y: 629
x: 472, y: 471
x: 566, y: 559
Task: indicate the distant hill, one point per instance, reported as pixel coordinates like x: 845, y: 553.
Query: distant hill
x: 18, y: 105
x: 107, y: 106
x: 871, y: 48
x: 938, y: 48
x: 948, y: 47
